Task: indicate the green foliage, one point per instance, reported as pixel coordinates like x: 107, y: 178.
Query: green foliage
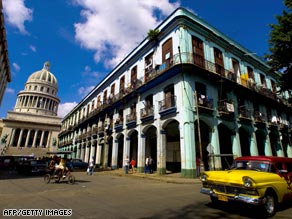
x: 153, y: 34
x: 280, y: 57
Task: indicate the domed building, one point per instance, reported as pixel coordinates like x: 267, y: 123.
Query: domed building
x: 33, y: 126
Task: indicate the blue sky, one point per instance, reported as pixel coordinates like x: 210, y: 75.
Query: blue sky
x: 84, y: 39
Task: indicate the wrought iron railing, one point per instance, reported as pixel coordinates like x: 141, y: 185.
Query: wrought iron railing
x: 167, y: 103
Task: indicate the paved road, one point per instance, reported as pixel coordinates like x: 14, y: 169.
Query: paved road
x: 104, y: 195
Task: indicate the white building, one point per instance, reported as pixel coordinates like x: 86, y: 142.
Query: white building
x: 33, y: 126
x: 187, y: 92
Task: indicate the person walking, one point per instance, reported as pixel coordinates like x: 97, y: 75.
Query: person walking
x: 91, y: 166
x: 133, y: 164
x: 147, y: 163
x: 127, y: 161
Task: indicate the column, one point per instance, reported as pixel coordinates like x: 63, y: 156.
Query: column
x: 141, y: 154
x: 20, y: 138
x: 127, y: 142
x: 27, y: 138
x: 92, y: 151
x: 86, y: 155
x: 214, y: 148
x: 115, y: 153
x: 47, y: 143
x: 42, y: 139
x: 98, y: 154
x: 35, y: 138
x: 105, y: 154
x: 253, y: 145
x: 161, y: 152
x: 82, y: 146
x: 78, y: 150
x: 268, y: 149
x: 12, y: 137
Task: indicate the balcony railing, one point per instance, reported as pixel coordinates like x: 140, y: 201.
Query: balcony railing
x: 152, y: 72
x: 259, y: 117
x: 131, y: 117
x: 147, y: 111
x: 244, y: 112
x: 167, y: 103
x: 226, y: 108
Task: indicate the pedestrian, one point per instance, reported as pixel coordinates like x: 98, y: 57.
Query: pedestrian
x: 151, y: 164
x: 127, y: 161
x: 133, y: 163
x: 91, y: 166
x: 147, y: 162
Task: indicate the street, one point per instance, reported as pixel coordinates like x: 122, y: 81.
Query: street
x: 105, y: 195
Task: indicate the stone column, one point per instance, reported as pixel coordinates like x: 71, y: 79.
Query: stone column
x: 20, y: 138
x: 27, y: 138
x: 42, y: 139
x: 98, y: 154
x: 35, y: 138
x: 161, y: 152
x: 141, y: 154
x: 12, y: 138
x: 253, y: 145
x: 268, y: 148
x: 126, y: 149
x: 115, y: 153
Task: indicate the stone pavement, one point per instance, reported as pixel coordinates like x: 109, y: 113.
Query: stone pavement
x: 170, y: 177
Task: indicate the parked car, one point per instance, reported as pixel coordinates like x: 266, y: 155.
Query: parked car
x: 76, y: 164
x: 33, y: 167
x: 256, y: 180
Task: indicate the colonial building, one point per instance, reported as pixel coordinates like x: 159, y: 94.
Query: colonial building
x: 186, y: 92
x: 33, y: 126
x: 5, y: 75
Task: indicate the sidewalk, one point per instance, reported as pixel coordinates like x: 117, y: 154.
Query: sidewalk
x: 169, y: 178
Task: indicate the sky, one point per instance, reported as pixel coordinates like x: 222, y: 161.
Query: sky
x: 85, y: 39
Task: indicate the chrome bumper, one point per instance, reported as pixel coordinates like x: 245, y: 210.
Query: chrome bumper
x: 237, y: 198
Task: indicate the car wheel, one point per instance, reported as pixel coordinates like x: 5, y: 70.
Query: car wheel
x: 47, y: 178
x: 214, y: 200
x: 270, y: 204
x: 71, y: 179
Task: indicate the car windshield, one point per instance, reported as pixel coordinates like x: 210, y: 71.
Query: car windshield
x: 252, y: 165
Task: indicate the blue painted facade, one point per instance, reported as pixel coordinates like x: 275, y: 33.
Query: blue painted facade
x: 190, y: 94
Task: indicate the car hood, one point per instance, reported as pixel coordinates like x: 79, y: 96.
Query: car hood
x: 235, y: 176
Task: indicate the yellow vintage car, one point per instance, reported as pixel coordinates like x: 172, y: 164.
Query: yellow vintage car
x: 256, y: 180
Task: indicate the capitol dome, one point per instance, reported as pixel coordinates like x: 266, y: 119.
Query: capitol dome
x: 43, y: 75
x: 40, y: 93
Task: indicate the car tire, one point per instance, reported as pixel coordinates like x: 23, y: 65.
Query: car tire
x: 214, y: 200
x: 270, y: 204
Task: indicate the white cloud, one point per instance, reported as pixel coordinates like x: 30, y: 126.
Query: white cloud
x: 83, y: 91
x: 65, y: 108
x: 88, y: 73
x: 32, y: 48
x: 9, y: 91
x: 113, y: 28
x: 16, y: 66
x: 17, y: 14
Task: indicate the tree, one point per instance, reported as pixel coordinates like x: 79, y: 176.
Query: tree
x: 280, y: 57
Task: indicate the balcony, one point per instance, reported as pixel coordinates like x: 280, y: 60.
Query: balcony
x: 147, y: 114
x: 100, y: 130
x: 119, y: 125
x: 226, y: 109
x: 259, y: 117
x: 244, y: 114
x: 167, y: 106
x: 152, y: 72
x: 205, y: 104
x: 131, y: 120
